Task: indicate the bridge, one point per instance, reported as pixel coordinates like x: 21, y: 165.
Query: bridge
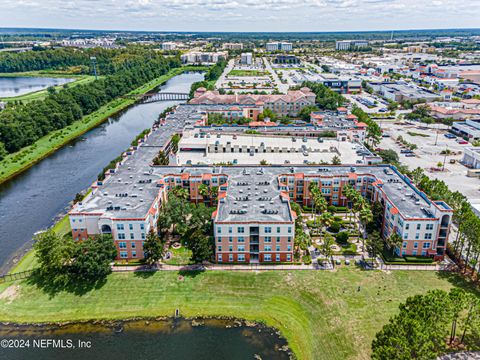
x: 161, y: 96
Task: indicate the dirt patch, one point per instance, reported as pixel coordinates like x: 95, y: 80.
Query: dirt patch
x: 10, y: 293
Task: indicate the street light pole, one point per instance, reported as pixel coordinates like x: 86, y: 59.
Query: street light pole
x: 445, y: 158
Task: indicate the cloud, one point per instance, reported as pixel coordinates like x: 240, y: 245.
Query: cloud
x: 237, y: 15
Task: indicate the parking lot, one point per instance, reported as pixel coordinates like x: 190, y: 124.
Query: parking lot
x: 427, y: 156
x: 368, y: 103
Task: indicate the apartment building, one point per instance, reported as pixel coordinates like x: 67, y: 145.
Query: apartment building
x: 199, y: 57
x: 253, y: 221
x: 246, y: 58
x: 290, y: 103
x: 169, y: 46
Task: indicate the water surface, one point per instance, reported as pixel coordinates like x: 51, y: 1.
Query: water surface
x: 15, y: 86
x: 165, y: 339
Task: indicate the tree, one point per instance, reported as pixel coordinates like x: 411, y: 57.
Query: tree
x: 426, y: 326
x: 201, y: 246
x: 3, y: 151
x: 336, y: 160
x: 153, y: 248
x: 389, y: 156
x: 160, y: 159
x: 93, y: 256
x: 306, y: 111
x: 374, y: 244
x: 394, y: 241
x: 53, y: 254
x: 263, y: 162
x: 365, y: 217
x: 327, y: 245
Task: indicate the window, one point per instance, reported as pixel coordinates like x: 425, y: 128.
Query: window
x: 123, y: 254
x: 230, y: 230
x: 429, y: 227
x: 417, y: 236
x: 133, y: 245
x: 143, y: 236
x: 220, y: 257
x: 289, y: 257
x: 289, y: 229
x: 407, y: 226
x: 134, y: 254
x: 268, y: 239
x: 278, y: 229
x: 130, y: 226
x: 414, y: 253
x: 426, y: 245
x: 219, y: 240
x: 120, y: 227
x: 289, y: 239
x: 277, y: 257
x: 268, y: 230
x: 424, y: 253
x: 241, y: 239
x: 142, y: 226
x: 121, y: 236
x: 428, y: 236
x: 241, y: 248
x: 405, y: 236
x: 219, y: 230
x: 404, y: 253
x: 415, y: 245
x: 278, y: 239
x: 267, y: 257
x: 277, y: 248
x: 230, y: 248
x: 419, y: 226
x: 289, y: 247
x: 122, y: 245
x: 230, y: 239
x: 241, y: 230
x: 404, y: 244
x: 241, y: 257
x: 267, y: 248
x: 230, y: 257
x: 132, y: 236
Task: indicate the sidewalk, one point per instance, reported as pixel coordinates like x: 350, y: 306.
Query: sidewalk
x: 216, y: 267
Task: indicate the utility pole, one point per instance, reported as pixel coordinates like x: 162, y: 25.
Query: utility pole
x: 445, y: 158
x: 93, y: 59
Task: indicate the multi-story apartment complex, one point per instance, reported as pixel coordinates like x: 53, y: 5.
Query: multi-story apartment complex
x: 345, y: 45
x: 253, y: 221
x: 169, y: 46
x: 290, y: 103
x: 278, y: 46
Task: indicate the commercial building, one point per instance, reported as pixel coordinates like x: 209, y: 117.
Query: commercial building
x: 278, y: 46
x: 469, y: 129
x: 232, y: 46
x: 169, y: 46
x: 290, y: 103
x: 246, y: 58
x: 345, y: 45
x: 471, y: 157
x: 253, y: 221
x: 199, y: 57
x: 400, y: 91
x: 461, y: 110
x: 286, y: 59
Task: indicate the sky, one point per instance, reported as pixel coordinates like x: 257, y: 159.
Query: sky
x: 241, y: 15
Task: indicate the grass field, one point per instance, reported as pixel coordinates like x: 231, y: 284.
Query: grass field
x: 323, y: 315
x: 15, y: 163
x: 41, y: 94
x: 248, y: 73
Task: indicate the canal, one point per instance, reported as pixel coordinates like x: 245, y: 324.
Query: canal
x: 210, y: 339
x: 16, y: 86
x: 31, y: 201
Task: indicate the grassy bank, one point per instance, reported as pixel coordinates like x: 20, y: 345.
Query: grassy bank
x: 17, y: 162
x: 323, y: 315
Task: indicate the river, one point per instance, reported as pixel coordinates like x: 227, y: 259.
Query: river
x: 31, y: 201
x: 16, y: 86
x: 166, y: 339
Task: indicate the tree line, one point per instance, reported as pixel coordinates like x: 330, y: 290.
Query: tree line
x: 211, y: 76
x: 22, y: 125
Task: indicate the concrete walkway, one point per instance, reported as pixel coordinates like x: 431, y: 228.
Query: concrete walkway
x: 216, y: 267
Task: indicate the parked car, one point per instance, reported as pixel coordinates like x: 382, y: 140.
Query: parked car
x: 410, y: 155
x: 406, y: 151
x: 449, y: 136
x: 462, y: 142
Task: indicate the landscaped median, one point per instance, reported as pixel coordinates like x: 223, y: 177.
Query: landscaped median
x: 323, y: 315
x: 18, y: 162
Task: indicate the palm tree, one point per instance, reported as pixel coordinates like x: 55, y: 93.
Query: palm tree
x: 327, y: 250
x: 326, y: 219
x: 366, y: 217
x: 203, y: 190
x: 394, y: 241
x: 180, y: 192
x: 313, y: 188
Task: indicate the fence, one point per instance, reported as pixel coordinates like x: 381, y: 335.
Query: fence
x: 15, y: 276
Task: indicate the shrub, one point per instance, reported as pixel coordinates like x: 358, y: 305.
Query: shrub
x: 335, y: 227
x: 332, y: 208
x: 419, y: 259
x: 342, y: 237
x: 307, y: 260
x: 341, y: 209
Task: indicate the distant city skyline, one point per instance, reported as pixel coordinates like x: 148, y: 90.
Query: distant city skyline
x: 248, y: 15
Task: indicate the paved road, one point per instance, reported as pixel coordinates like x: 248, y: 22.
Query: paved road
x: 283, y: 88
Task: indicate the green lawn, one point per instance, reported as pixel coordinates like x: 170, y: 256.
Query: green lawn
x: 180, y: 256
x: 248, y: 73
x: 322, y: 314
x: 15, y: 163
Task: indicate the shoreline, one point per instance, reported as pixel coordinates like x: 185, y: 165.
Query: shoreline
x: 76, y: 129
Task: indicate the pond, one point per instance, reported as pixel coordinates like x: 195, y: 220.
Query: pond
x: 141, y: 339
x: 15, y: 86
